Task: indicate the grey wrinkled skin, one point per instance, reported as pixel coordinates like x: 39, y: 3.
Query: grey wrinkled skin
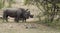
x: 18, y: 14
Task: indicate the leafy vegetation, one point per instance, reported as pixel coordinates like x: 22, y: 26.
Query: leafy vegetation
x: 10, y: 2
x: 2, y: 3
x: 51, y: 10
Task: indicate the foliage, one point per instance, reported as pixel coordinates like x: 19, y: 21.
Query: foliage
x: 51, y: 9
x: 2, y: 3
x: 10, y: 2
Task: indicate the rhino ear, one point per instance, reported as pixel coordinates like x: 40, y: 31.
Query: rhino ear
x: 27, y: 9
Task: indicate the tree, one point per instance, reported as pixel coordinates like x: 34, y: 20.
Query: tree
x: 10, y: 2
x: 2, y: 3
x: 51, y: 7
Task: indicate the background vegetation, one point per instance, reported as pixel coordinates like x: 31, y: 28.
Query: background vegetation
x: 2, y: 3
x: 51, y: 11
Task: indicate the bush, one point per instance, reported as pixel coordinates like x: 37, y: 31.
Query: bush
x: 1, y: 5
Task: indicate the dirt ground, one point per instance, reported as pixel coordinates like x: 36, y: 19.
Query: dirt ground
x: 25, y: 28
